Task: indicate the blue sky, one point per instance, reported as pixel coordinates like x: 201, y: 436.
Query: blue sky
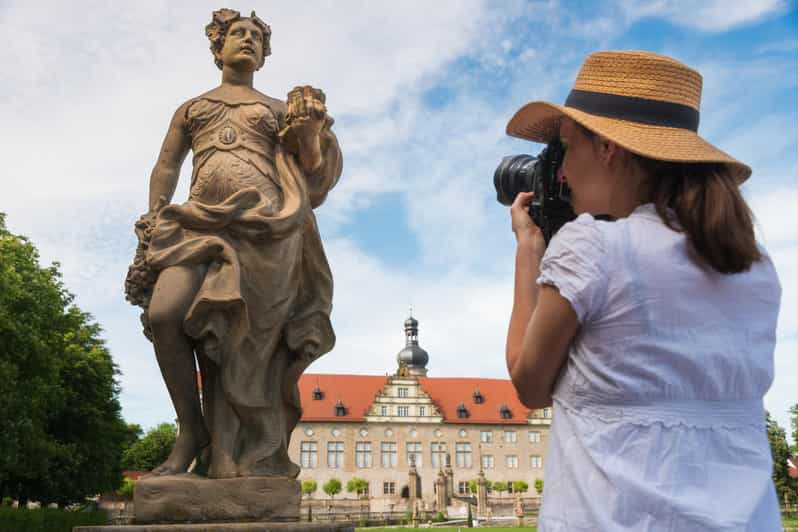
x: 421, y: 93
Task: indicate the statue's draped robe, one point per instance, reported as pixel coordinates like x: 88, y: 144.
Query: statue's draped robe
x: 262, y: 312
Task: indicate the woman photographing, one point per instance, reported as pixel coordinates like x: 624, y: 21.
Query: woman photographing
x: 653, y: 334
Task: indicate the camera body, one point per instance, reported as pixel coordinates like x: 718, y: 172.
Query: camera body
x: 551, y: 205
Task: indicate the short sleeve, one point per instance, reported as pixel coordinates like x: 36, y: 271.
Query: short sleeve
x: 575, y: 263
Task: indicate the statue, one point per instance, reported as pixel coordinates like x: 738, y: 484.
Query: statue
x: 235, y: 280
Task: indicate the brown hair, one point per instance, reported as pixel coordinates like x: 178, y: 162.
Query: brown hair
x: 709, y: 207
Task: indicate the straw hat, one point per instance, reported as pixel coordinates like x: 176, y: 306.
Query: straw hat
x: 644, y: 102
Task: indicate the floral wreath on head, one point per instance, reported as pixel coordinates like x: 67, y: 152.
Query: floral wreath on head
x: 221, y: 22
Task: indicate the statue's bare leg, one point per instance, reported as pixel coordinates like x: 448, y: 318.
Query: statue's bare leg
x: 174, y: 292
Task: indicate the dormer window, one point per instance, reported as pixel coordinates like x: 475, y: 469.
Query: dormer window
x: 340, y: 409
x: 462, y: 412
x: 505, y: 412
x: 478, y: 398
x: 317, y: 395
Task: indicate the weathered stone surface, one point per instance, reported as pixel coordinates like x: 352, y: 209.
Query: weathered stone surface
x: 224, y: 527
x: 190, y: 498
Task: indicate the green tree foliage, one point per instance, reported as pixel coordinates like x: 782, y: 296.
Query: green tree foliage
x: 126, y: 490
x: 332, y: 487
x: 357, y: 485
x: 61, y: 429
x: 500, y: 486
x: 794, y: 425
x: 539, y: 485
x: 309, y: 487
x: 781, y: 452
x: 472, y: 486
x: 519, y: 486
x: 151, y: 450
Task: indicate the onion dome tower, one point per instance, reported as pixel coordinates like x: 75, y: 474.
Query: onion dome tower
x: 413, y: 357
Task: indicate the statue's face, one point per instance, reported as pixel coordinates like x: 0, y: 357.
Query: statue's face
x: 243, y: 46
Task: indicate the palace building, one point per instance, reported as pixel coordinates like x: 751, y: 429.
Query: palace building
x: 391, y: 429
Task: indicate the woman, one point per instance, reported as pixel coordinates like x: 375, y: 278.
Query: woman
x: 242, y: 280
x: 653, y: 334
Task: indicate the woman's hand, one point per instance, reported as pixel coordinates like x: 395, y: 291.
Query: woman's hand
x: 526, y: 232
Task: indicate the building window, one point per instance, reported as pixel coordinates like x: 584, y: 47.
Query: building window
x: 509, y: 436
x: 511, y: 461
x: 535, y: 462
x: 487, y: 461
x: 414, y: 453
x: 477, y: 395
x: 505, y: 412
x: 384, y: 410
x: 340, y: 409
x: 462, y: 412
x: 422, y: 411
x: 403, y: 411
x: 317, y: 395
x: 547, y: 412
x: 438, y: 453
x: 388, y: 454
x: 463, y: 453
x: 462, y: 487
x: 388, y: 488
x: 402, y: 392
x: 335, y: 454
x: 308, y: 454
x: 534, y: 436
x: 486, y: 436
x: 363, y: 454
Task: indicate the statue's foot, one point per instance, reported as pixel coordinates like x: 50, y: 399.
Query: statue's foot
x: 268, y: 467
x: 187, y: 448
x: 222, y: 467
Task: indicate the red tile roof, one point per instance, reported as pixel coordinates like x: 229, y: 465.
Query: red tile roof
x: 449, y: 392
x: 357, y: 392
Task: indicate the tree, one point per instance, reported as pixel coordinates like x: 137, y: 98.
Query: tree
x: 794, y: 426
x: 61, y: 429
x: 519, y: 486
x: 500, y: 486
x: 781, y: 452
x: 357, y: 485
x: 332, y: 487
x: 151, y: 450
x: 539, y: 485
x: 309, y: 487
x: 472, y: 486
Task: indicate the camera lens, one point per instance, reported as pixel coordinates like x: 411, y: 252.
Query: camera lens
x: 513, y: 175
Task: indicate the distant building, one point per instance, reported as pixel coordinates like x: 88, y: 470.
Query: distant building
x: 374, y: 427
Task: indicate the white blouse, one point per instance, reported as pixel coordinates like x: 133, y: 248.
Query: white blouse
x: 658, y: 421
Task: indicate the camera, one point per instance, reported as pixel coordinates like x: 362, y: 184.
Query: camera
x: 551, y: 205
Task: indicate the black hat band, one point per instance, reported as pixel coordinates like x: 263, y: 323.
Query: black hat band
x: 633, y: 109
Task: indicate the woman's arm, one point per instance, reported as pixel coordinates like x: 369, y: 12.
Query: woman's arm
x: 542, y: 323
x: 166, y: 172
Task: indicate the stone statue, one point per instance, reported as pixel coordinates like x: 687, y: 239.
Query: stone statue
x: 235, y: 281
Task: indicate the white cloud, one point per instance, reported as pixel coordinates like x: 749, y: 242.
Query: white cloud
x: 707, y: 15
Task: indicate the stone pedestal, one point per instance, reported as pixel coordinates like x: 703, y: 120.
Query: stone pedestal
x: 190, y: 498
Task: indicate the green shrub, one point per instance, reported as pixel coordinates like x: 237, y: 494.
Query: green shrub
x: 126, y: 490
x: 47, y: 519
x: 440, y: 517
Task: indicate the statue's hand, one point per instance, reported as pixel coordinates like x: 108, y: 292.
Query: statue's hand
x: 306, y: 113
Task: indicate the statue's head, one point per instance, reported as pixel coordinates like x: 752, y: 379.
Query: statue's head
x: 240, y: 42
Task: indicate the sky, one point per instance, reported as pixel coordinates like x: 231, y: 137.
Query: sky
x: 421, y: 93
